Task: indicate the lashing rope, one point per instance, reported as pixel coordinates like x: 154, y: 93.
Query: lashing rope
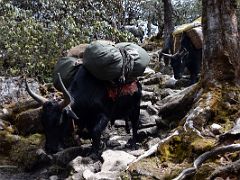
x: 127, y: 65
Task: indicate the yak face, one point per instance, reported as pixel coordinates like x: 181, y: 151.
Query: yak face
x: 186, y: 57
x: 57, y: 126
x: 50, y: 118
x: 178, y: 63
x: 55, y: 119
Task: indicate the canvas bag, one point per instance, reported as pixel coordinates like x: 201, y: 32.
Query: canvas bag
x: 196, y: 36
x: 104, y: 60
x: 140, y: 58
x: 67, y: 67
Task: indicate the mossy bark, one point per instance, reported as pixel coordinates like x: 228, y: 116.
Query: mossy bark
x: 220, y: 81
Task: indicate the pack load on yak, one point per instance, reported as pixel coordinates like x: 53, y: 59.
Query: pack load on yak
x: 193, y: 31
x: 67, y: 66
x: 77, y: 51
x: 105, y: 60
x: 112, y: 62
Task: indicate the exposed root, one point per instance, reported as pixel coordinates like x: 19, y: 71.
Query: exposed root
x: 202, y: 111
x: 208, y: 108
x: 144, y: 126
x: 232, y: 169
x: 154, y: 148
x: 186, y: 173
x: 232, y: 134
x: 178, y: 103
x: 219, y: 150
x: 205, y: 156
x: 197, y: 117
x: 214, y: 105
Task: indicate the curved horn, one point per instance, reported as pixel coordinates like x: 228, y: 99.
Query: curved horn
x: 38, y: 98
x: 67, y: 97
x: 167, y: 55
x: 66, y: 103
x: 174, y: 55
x: 183, y: 52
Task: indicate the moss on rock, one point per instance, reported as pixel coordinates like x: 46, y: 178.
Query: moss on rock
x: 201, y: 145
x: 226, y: 111
x: 28, y: 122
x: 176, y: 149
x: 7, y: 141
x: 205, y: 170
x: 152, y: 168
x: 24, y: 151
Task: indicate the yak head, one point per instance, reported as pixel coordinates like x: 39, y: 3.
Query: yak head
x: 55, y: 118
x: 178, y: 61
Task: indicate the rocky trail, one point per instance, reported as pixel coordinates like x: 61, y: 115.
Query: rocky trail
x: 21, y: 136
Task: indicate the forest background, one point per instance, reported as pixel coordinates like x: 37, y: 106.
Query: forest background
x: 35, y: 34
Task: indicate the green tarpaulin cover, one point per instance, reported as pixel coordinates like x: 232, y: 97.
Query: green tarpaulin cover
x: 104, y: 60
x: 67, y: 67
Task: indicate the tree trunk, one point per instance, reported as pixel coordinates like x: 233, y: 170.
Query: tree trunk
x: 219, y: 84
x: 149, y: 26
x: 160, y: 29
x: 218, y: 96
x: 221, y: 49
x: 168, y: 28
x: 168, y: 21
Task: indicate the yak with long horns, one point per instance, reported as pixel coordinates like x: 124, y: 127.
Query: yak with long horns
x: 186, y: 57
x: 90, y: 104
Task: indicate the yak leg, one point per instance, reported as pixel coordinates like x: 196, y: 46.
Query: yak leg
x: 193, y: 70
x: 193, y: 77
x: 127, y: 128
x: 97, y: 131
x: 134, y: 117
x: 135, y: 123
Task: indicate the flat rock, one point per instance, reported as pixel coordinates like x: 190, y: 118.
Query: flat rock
x: 109, y: 175
x: 116, y: 160
x: 145, y: 118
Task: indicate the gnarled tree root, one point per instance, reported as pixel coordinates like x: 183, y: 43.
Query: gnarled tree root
x: 153, y: 149
x: 179, y: 103
x: 202, y: 111
x: 232, y: 169
x: 205, y: 156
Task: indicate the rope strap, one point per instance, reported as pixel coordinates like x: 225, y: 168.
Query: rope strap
x: 127, y: 65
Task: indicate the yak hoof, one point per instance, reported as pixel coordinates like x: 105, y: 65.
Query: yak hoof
x: 132, y: 144
x: 113, y: 143
x: 98, y: 149
x: 43, y: 156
